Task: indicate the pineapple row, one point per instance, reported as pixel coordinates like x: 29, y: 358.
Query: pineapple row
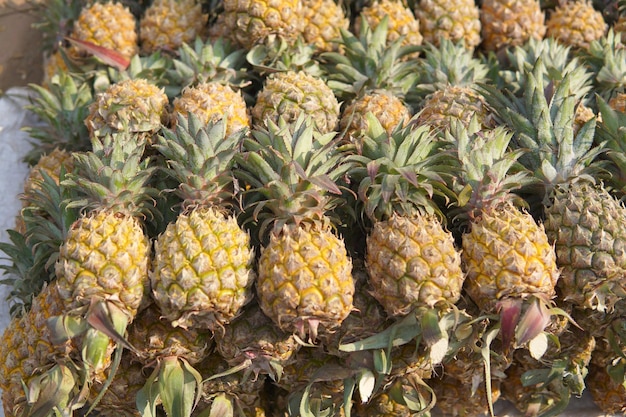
x: 259, y: 212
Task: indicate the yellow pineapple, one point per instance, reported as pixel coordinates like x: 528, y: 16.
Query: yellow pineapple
x: 507, y: 256
x: 388, y: 109
x: 133, y: 105
x: 212, y: 101
x: 402, y: 23
x: 202, y: 272
x: 323, y: 21
x: 507, y: 23
x: 576, y: 24
x: 305, y: 280
x: 109, y: 25
x: 446, y: 87
x: 29, y: 350
x: 411, y: 259
x: 102, y: 266
x: 290, y: 94
x: 457, y: 21
x: 250, y: 22
x: 371, y: 74
x: 167, y: 24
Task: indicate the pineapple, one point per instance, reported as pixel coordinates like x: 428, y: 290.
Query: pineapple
x: 289, y: 94
x: 607, y: 394
x: 581, y: 218
x: 388, y: 109
x: 510, y: 263
x: 576, y: 24
x: 205, y: 62
x: 445, y: 89
x: 202, y: 272
x: 455, y: 398
x: 402, y: 23
x: 167, y: 24
x: 304, y: 281
x: 120, y: 398
x: 508, y: 23
x: 370, y: 75
x: 253, y: 338
x: 248, y: 23
x: 323, y: 21
x: 411, y: 259
x: 109, y: 25
x: 133, y: 105
x: 211, y: 101
x: 168, y: 350
x: 227, y: 392
x: 30, y: 352
x: 457, y: 21
x: 102, y: 266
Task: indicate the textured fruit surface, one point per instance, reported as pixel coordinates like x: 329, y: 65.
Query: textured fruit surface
x: 202, y: 273
x: 412, y: 262
x: 304, y: 275
x: 507, y: 254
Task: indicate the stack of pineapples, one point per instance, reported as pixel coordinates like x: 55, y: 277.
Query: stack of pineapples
x: 321, y: 208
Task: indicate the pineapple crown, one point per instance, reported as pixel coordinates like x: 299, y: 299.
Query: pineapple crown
x: 543, y: 122
x: 200, y: 158
x: 370, y: 62
x: 606, y: 59
x: 449, y: 63
x: 293, y: 172
x: 557, y: 61
x: 112, y: 176
x: 276, y: 54
x: 213, y: 60
x: 400, y: 172
x: 62, y: 107
x: 488, y: 170
x: 610, y: 131
x: 153, y: 67
x: 33, y: 251
x: 55, y: 20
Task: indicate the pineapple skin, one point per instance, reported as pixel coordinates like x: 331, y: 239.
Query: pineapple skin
x: 211, y: 101
x: 323, y: 21
x: 290, y: 94
x: 460, y: 103
x: 110, y: 25
x: 576, y: 24
x: 402, y: 21
x: 457, y: 21
x: 105, y: 255
x: 27, y: 348
x: 386, y: 107
x: 586, y: 225
x: 305, y: 274
x: 412, y: 262
x: 507, y: 254
x: 249, y: 22
x: 135, y: 105
x: 156, y: 338
x: 509, y: 23
x: 202, y: 271
x: 167, y: 24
